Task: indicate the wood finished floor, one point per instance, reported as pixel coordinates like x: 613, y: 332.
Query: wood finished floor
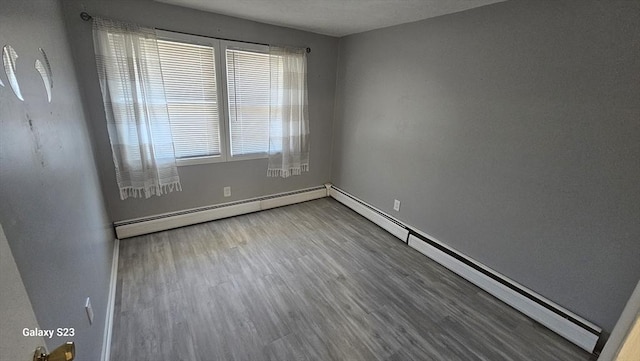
x: 312, y: 281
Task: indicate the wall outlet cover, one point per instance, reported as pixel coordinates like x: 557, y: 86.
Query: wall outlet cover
x: 227, y: 191
x: 396, y: 205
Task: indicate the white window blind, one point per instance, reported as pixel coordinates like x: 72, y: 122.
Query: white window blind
x: 189, y: 75
x: 248, y: 87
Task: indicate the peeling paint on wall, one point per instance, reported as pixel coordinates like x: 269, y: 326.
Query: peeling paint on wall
x: 9, y: 57
x: 45, y: 78
x: 45, y: 73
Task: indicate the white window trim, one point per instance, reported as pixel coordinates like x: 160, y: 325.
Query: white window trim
x: 200, y: 160
x: 220, y: 47
x: 215, y: 44
x: 224, y: 45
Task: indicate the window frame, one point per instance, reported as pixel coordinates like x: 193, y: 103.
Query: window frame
x: 237, y: 45
x: 224, y: 122
x: 215, y: 44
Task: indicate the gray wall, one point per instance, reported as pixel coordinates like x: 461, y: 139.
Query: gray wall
x: 510, y: 132
x: 51, y: 205
x: 203, y: 184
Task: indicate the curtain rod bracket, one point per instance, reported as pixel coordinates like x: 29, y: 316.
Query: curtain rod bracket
x: 85, y: 16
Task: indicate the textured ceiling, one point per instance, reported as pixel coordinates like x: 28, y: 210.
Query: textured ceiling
x: 333, y: 17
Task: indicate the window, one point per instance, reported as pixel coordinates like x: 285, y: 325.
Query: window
x: 218, y: 95
x: 248, y: 87
x: 190, y: 84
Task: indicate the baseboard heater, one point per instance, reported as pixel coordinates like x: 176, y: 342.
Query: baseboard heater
x: 165, y: 221
x: 373, y: 214
x: 558, y: 319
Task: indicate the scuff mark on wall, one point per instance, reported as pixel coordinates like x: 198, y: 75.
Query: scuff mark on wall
x: 37, y: 143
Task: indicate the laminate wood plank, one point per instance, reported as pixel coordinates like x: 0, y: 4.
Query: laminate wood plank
x: 414, y: 345
x: 162, y: 332
x: 311, y: 281
x: 288, y: 347
x: 269, y: 311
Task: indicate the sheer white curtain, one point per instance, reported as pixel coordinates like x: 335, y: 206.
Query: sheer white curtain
x: 136, y: 108
x: 289, y: 118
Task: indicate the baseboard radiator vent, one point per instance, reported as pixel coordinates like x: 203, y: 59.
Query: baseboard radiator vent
x: 165, y: 221
x: 558, y: 319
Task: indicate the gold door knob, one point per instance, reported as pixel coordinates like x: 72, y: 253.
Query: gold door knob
x: 66, y: 352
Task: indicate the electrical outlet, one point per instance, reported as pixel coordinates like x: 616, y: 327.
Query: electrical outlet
x: 89, y: 309
x: 396, y: 205
x: 227, y: 191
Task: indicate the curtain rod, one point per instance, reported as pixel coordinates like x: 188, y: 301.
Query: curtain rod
x: 86, y: 17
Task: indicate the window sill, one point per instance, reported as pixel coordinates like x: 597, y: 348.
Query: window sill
x: 218, y: 159
x: 248, y: 157
x: 199, y: 160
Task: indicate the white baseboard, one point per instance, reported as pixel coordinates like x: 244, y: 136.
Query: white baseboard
x: 285, y: 200
x: 165, y: 221
x: 111, y: 301
x: 530, y: 307
x: 508, y: 291
x: 371, y: 213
